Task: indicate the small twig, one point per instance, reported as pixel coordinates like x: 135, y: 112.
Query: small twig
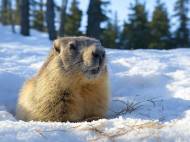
x: 130, y: 107
x: 40, y: 133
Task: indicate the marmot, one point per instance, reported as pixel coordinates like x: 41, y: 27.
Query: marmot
x: 72, y: 84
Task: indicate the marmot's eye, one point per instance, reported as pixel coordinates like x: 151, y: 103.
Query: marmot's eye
x: 72, y: 46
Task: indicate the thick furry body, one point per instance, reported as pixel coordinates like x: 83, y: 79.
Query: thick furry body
x: 56, y: 95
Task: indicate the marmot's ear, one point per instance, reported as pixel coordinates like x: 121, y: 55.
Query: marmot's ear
x: 56, y: 45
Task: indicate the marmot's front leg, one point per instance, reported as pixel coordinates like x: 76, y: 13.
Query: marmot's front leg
x: 68, y: 106
x: 63, y: 103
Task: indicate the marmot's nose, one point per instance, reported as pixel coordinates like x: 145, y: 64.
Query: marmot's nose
x: 98, y: 56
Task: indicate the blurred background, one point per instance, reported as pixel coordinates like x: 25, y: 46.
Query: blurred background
x: 120, y: 24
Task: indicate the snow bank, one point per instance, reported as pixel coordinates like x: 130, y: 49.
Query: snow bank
x: 153, y: 85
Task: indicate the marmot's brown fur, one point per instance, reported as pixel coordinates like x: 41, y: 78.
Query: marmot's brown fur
x: 72, y: 84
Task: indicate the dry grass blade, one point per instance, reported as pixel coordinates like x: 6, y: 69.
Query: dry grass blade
x: 103, y: 134
x: 40, y: 133
x: 130, y: 107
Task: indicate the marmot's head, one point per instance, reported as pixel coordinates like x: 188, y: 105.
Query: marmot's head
x: 82, y: 54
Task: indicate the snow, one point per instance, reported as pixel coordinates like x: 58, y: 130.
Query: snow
x: 152, y: 85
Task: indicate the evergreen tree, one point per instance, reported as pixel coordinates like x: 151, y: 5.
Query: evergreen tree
x: 73, y: 20
x: 136, y: 34
x: 182, y: 32
x: 63, y: 17
x: 50, y: 16
x: 38, y: 16
x: 110, y: 34
x: 96, y: 16
x: 160, y: 28
x: 5, y: 12
x: 124, y: 36
x: 24, y: 18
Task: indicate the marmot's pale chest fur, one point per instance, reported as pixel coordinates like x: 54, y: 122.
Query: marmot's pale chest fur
x: 72, y: 84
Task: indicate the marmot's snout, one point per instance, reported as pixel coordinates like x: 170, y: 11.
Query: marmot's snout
x: 94, y: 61
x: 98, y: 57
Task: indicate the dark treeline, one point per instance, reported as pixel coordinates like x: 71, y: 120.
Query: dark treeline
x: 139, y: 32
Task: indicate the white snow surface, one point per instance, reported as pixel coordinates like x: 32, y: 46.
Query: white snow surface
x: 153, y: 85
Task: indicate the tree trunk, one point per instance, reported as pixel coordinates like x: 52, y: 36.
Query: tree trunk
x: 50, y: 16
x: 11, y: 16
x: 17, y: 12
x: 63, y: 17
x: 24, y: 18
